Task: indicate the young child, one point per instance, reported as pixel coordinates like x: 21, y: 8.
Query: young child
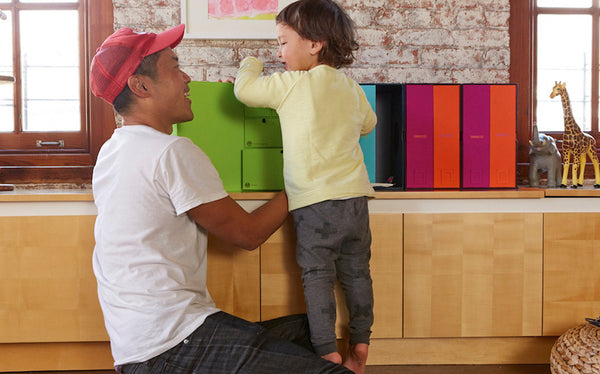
x: 323, y: 113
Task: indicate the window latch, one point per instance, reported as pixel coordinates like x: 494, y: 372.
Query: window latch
x: 40, y: 144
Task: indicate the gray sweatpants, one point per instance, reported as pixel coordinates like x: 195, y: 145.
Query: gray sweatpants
x: 334, y: 241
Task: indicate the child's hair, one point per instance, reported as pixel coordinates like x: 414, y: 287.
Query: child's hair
x: 325, y: 21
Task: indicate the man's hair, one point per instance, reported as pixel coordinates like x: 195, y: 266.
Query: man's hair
x: 148, y: 67
x: 324, y: 21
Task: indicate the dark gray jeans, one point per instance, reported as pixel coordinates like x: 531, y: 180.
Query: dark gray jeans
x: 333, y: 240
x: 226, y: 344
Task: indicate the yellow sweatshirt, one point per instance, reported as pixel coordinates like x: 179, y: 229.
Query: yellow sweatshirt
x: 323, y: 113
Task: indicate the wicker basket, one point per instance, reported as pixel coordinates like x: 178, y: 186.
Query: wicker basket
x: 577, y: 351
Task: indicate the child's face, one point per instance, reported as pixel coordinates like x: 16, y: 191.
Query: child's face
x: 295, y: 52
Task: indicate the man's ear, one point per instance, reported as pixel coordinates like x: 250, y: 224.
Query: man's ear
x: 137, y: 85
x: 316, y: 47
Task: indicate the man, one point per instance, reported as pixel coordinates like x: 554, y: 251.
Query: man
x: 157, y: 196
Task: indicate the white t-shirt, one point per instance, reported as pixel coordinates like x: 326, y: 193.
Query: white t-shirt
x: 150, y: 257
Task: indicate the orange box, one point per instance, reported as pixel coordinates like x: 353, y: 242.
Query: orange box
x: 503, y: 114
x: 446, y: 135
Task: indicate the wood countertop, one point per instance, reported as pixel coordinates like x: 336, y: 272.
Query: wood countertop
x: 59, y: 194
x: 85, y: 194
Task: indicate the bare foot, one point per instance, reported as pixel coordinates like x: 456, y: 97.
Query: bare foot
x: 356, y: 360
x: 334, y: 357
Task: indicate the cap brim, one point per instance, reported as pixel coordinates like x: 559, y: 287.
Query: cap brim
x: 170, y: 38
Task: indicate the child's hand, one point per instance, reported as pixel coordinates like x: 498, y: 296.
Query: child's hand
x: 228, y: 80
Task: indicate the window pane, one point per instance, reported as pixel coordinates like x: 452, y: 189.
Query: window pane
x: 565, y: 3
x: 6, y: 108
x: 7, y: 116
x: 50, y: 70
x: 564, y: 54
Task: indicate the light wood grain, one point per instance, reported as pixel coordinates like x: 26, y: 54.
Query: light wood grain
x: 233, y: 279
x: 585, y: 191
x: 466, y: 351
x: 55, y: 356
x: 47, y: 287
x: 472, y: 275
x: 281, y: 284
x: 571, y: 270
x: 386, y: 271
x: 22, y: 195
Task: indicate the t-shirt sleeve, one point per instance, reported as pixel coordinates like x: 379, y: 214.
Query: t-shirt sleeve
x: 188, y: 176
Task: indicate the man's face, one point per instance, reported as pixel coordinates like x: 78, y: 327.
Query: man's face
x: 171, y: 89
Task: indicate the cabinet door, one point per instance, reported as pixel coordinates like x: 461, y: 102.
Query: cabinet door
x: 47, y: 286
x: 262, y: 169
x: 571, y: 270
x: 386, y: 271
x: 281, y: 284
x: 262, y: 131
x: 472, y: 275
x: 233, y: 279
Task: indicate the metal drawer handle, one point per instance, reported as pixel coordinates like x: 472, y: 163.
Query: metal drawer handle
x: 40, y: 144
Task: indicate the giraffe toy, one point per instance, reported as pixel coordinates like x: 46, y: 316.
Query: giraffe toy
x: 575, y: 143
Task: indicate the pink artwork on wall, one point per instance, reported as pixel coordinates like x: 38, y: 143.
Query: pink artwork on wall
x: 243, y: 9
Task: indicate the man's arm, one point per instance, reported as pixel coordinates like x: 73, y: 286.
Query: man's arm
x: 228, y: 221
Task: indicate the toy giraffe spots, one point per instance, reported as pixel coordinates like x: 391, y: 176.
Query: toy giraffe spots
x: 575, y: 142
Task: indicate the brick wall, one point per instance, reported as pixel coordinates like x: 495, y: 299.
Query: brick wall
x: 407, y: 41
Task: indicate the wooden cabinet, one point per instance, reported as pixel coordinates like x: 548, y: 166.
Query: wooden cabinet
x: 281, y: 279
x: 281, y: 284
x: 571, y: 270
x: 281, y: 291
x: 386, y: 270
x: 233, y: 279
x: 48, y: 292
x: 472, y: 275
x: 47, y: 287
x: 455, y: 281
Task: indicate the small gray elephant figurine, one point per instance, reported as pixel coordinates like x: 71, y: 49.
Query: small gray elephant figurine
x: 544, y: 157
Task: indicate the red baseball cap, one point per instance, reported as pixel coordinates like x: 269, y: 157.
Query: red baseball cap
x: 121, y: 54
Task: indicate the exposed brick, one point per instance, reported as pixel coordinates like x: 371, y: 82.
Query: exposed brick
x: 424, y: 37
x: 267, y: 55
x: 216, y: 73
x: 497, y: 58
x: 411, y: 41
x: 497, y: 18
x: 196, y: 73
x: 206, y: 56
x: 470, y: 18
x: 374, y: 37
x: 454, y: 58
x: 418, y: 18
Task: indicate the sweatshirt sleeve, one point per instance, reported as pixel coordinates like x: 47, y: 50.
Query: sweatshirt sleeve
x: 255, y: 90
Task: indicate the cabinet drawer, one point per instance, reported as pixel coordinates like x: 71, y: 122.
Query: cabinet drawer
x: 262, y: 169
x: 262, y: 131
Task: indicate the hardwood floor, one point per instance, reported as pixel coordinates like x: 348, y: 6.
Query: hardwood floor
x: 412, y: 369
